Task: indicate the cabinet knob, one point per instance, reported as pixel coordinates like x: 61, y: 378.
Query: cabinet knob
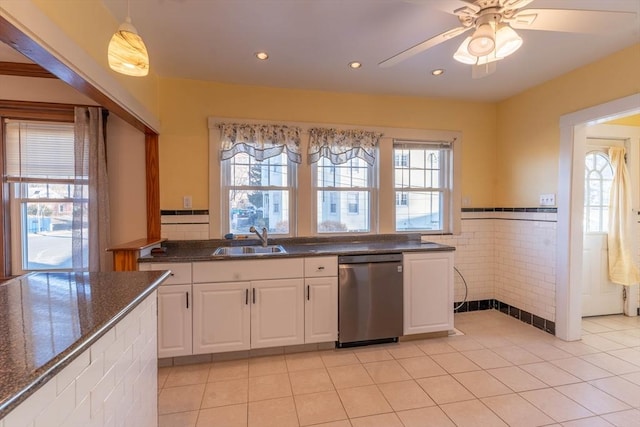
x: 321, y: 268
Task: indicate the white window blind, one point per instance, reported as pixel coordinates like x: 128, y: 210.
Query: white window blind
x: 39, y: 150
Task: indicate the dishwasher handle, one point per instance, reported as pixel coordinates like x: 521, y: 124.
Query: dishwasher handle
x: 365, y: 259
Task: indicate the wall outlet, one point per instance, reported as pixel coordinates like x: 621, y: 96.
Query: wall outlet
x: 466, y: 201
x: 186, y: 202
x: 547, y: 200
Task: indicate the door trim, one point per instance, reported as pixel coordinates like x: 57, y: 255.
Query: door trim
x: 573, y: 135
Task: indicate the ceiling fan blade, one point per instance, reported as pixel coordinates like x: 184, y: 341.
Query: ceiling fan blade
x: 515, y: 4
x: 421, y: 47
x: 569, y: 20
x: 483, y: 70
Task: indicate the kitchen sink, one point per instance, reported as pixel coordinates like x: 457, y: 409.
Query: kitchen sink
x: 249, y: 250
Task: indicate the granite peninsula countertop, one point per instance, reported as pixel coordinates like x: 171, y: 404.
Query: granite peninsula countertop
x: 48, y: 319
x: 202, y: 250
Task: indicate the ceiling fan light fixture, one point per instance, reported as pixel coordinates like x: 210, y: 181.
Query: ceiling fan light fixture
x: 483, y: 40
x: 127, y: 53
x: 507, y: 41
x: 463, y: 55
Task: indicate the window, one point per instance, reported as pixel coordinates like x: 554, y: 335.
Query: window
x: 344, y: 196
x: 40, y: 172
x: 258, y: 193
x: 422, y: 181
x: 598, y: 179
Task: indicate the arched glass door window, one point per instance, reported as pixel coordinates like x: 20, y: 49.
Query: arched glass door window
x: 598, y: 178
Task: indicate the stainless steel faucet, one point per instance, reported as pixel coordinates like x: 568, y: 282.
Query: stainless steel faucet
x: 263, y: 237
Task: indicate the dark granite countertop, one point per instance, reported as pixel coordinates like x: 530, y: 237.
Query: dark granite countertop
x: 48, y: 319
x: 202, y: 250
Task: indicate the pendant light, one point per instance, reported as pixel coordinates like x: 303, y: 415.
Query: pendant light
x: 127, y: 53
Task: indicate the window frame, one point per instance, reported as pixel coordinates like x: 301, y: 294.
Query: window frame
x: 372, y: 189
x: 225, y: 188
x: 15, y: 226
x: 21, y: 110
x: 587, y: 206
x: 383, y: 218
x: 450, y: 193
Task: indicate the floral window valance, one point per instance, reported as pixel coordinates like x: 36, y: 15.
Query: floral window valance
x: 259, y: 141
x: 340, y: 146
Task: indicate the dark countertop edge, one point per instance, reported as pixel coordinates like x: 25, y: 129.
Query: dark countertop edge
x: 297, y: 251
x: 67, y: 356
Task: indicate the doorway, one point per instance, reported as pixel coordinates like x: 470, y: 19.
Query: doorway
x: 573, y: 136
x: 600, y: 296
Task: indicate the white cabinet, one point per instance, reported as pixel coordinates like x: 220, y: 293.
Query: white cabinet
x: 235, y: 310
x: 174, y: 320
x: 428, y: 292
x: 175, y: 333
x: 277, y: 313
x: 221, y: 317
x: 321, y: 299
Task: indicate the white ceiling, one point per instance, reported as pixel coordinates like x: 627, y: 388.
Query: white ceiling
x: 310, y: 43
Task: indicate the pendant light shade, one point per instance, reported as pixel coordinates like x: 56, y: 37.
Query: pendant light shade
x: 127, y: 53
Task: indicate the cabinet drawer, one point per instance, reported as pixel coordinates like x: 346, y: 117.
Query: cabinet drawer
x: 180, y: 271
x: 246, y: 270
x: 321, y: 266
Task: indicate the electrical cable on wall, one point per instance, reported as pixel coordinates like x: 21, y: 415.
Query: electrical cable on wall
x: 466, y: 290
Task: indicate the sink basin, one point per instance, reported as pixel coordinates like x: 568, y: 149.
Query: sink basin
x: 249, y: 250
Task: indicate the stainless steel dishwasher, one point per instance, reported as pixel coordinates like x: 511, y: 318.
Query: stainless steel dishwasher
x: 369, y: 299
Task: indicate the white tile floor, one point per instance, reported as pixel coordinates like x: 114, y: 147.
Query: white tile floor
x: 500, y: 372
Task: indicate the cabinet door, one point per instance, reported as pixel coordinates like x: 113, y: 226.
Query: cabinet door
x: 174, y: 320
x: 277, y: 313
x: 321, y: 310
x: 221, y: 316
x: 428, y: 292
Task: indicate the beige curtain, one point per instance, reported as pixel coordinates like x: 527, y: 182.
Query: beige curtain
x: 91, y: 221
x: 622, y: 269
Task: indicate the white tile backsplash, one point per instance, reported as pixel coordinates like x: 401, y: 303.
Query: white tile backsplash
x: 184, y: 227
x: 509, y: 256
x: 524, y: 262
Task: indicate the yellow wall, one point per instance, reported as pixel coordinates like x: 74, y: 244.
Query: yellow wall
x: 186, y: 104
x: 528, y: 131
x: 91, y: 25
x: 626, y: 121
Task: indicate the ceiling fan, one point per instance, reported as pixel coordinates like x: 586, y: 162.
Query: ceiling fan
x: 494, y: 37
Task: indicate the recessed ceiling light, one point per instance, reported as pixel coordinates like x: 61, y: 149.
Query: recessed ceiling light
x: 355, y: 64
x: 438, y: 72
x: 262, y: 56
